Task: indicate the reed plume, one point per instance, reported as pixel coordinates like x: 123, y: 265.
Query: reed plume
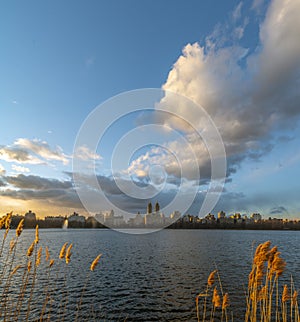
x: 29, y: 266
x: 278, y: 265
x: 16, y: 269
x: 211, y: 278
x: 285, y: 294
x: 20, y: 228
x: 12, y: 245
x: 51, y: 262
x: 47, y: 254
x: 2, y: 221
x: 38, y: 257
x: 63, y: 251
x: 216, y: 300
x: 69, y: 254
x: 30, y: 249
x: 263, y: 294
x: 36, y: 241
x: 225, y: 302
x: 294, y: 298
x: 95, y: 262
x: 8, y: 220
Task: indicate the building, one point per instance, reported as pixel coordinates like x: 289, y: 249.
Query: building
x: 139, y: 220
x: 76, y: 221
x: 30, y: 216
x: 15, y: 219
x: 118, y: 221
x: 54, y: 221
x: 256, y: 217
x: 175, y: 215
x: 154, y: 219
x: 91, y: 222
x: 30, y: 220
x: 210, y: 217
x: 221, y: 214
x: 109, y: 219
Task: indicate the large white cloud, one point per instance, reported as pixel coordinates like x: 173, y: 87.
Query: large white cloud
x: 249, y: 95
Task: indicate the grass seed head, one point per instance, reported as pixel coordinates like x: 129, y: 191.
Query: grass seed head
x: 95, y: 262
x: 38, y: 257
x: 51, y: 262
x: 8, y: 220
x: 252, y: 277
x: 261, y: 254
x: 216, y: 300
x: 47, y: 254
x: 271, y: 254
x: 278, y: 265
x: 260, y: 273
x: 211, y: 278
x: 69, y: 254
x: 294, y: 298
x: 20, y: 228
x: 285, y: 294
x: 36, y: 234
x: 226, y: 301
x: 12, y: 245
x: 16, y: 269
x: 63, y: 251
x: 30, y: 249
x: 262, y: 294
x: 2, y: 221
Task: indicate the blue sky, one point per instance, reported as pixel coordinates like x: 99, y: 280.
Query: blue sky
x: 239, y: 60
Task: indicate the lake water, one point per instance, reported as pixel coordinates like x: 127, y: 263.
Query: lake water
x: 153, y: 277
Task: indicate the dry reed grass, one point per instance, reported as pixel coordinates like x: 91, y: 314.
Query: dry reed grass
x: 19, y: 288
x: 265, y: 300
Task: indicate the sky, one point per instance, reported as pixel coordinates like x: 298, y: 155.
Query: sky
x: 226, y: 74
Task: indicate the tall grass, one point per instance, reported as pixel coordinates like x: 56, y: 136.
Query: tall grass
x: 22, y: 298
x: 265, y: 299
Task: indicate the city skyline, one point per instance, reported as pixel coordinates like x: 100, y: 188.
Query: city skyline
x: 239, y: 61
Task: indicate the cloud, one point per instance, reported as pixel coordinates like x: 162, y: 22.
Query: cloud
x: 34, y: 182
x: 42, y: 149
x: 257, y: 5
x: 18, y: 168
x: 249, y: 95
x: 237, y: 12
x: 52, y: 192
x: 2, y: 170
x: 179, y: 159
x: 265, y: 203
x: 278, y: 210
x: 15, y: 154
x: 32, y: 152
x: 85, y: 154
x: 115, y: 192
